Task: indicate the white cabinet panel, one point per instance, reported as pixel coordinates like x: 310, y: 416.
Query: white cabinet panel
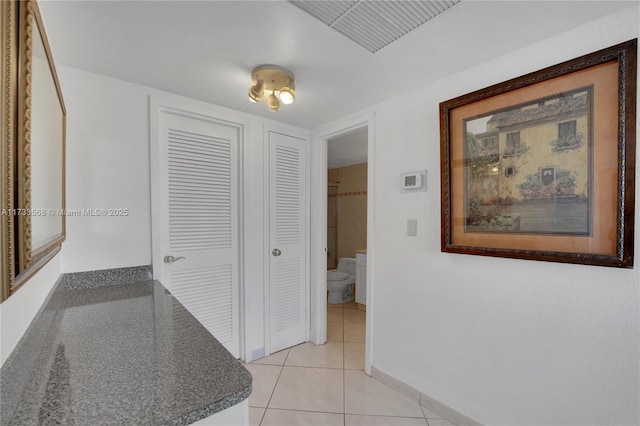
x: 237, y: 415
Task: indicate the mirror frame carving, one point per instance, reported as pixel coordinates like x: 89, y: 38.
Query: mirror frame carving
x: 22, y: 22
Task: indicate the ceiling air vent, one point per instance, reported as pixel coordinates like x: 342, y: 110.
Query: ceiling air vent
x: 374, y: 24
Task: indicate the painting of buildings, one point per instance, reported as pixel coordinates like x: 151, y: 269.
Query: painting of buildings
x: 528, y: 167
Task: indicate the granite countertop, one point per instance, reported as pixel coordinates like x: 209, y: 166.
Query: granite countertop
x: 125, y: 354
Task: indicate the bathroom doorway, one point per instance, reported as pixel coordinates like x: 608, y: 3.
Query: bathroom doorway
x: 318, y: 233
x: 347, y: 182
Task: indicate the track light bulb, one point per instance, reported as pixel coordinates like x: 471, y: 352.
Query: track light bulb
x: 256, y: 92
x: 273, y: 103
x: 287, y: 95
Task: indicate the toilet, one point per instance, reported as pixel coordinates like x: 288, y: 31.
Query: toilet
x: 340, y: 282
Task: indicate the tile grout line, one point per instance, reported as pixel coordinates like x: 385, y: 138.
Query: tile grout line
x: 299, y: 410
x: 322, y: 368
x: 264, y: 413
x: 386, y: 415
x: 276, y: 385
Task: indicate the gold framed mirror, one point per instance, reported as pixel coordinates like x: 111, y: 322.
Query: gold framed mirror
x: 33, y: 147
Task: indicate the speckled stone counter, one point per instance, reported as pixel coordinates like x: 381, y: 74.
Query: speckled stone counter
x: 118, y: 354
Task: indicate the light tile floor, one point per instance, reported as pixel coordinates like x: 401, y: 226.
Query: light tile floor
x: 326, y: 385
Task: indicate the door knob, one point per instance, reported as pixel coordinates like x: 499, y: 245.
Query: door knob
x: 276, y: 252
x: 171, y: 259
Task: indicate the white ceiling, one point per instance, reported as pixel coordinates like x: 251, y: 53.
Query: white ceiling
x: 206, y: 49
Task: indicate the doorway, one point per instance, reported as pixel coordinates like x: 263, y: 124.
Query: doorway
x: 319, y: 238
x: 347, y: 156
x: 347, y: 160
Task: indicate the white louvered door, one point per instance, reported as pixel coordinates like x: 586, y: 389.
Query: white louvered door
x: 198, y: 221
x: 287, y: 269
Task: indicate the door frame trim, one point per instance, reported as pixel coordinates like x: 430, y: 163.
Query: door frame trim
x: 195, y: 109
x: 319, y: 177
x: 298, y: 133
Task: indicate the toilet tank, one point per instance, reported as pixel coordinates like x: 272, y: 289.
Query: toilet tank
x: 347, y: 265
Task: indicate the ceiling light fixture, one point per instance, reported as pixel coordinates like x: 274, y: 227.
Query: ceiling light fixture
x: 273, y: 82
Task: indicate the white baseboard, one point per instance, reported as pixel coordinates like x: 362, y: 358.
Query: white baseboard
x: 396, y: 384
x: 423, y: 399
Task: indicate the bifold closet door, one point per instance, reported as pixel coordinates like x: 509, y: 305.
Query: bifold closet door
x: 287, y: 238
x: 196, y: 193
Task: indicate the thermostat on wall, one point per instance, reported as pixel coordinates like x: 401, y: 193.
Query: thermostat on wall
x: 411, y: 181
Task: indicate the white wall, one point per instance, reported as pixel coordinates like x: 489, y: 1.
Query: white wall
x: 502, y: 341
x: 108, y: 167
x: 17, y: 312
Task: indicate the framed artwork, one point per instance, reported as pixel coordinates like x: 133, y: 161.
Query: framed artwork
x: 32, y: 152
x: 542, y: 167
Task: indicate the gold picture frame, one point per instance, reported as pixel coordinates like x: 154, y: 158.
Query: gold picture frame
x: 8, y: 67
x: 33, y: 147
